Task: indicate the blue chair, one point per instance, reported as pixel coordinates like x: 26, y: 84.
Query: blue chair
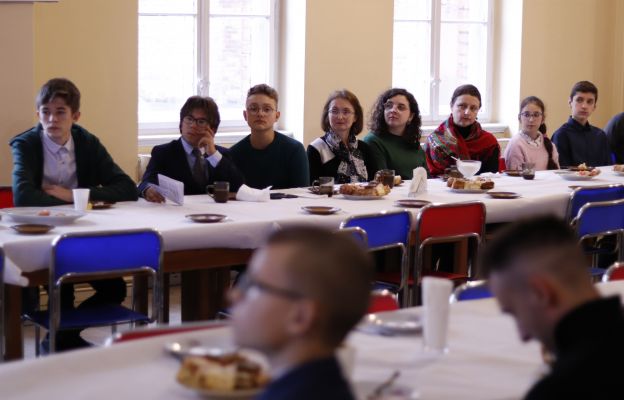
x: 591, y: 194
x: 381, y: 231
x: 85, y: 256
x: 473, y: 290
x: 601, y: 219
x: 1, y: 305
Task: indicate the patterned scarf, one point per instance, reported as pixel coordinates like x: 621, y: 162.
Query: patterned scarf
x: 351, y: 167
x: 445, y: 142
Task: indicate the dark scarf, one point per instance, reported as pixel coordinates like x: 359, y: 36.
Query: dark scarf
x: 351, y: 167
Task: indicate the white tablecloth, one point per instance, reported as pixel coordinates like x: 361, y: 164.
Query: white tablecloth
x: 249, y: 224
x: 486, y: 360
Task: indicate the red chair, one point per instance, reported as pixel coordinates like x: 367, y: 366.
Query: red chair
x: 501, y: 164
x: 120, y: 337
x: 614, y: 273
x: 443, y: 224
x: 383, y: 300
x: 6, y: 197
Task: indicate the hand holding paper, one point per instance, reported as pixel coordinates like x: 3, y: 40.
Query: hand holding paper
x: 171, y: 189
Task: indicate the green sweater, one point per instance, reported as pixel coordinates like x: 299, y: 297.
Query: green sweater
x: 392, y: 152
x: 283, y: 164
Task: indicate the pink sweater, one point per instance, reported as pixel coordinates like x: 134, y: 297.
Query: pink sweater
x: 519, y: 150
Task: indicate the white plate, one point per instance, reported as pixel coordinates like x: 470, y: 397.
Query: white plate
x: 469, y: 190
x: 391, y: 323
x: 355, y: 197
x: 30, y: 215
x: 575, y: 177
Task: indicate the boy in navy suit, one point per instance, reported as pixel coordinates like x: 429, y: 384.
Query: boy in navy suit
x: 193, y: 159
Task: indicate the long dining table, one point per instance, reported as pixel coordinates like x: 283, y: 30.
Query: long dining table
x: 485, y: 360
x: 194, y: 246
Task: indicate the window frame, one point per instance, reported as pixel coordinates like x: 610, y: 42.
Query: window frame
x: 151, y: 133
x: 436, y: 115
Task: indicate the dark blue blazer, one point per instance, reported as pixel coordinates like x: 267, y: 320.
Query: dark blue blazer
x: 170, y: 160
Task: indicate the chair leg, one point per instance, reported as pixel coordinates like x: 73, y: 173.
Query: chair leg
x: 37, y: 340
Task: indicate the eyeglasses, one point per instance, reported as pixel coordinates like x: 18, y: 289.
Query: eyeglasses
x: 528, y: 115
x: 201, y: 122
x: 345, y: 112
x: 388, y: 105
x: 256, y: 110
x: 246, y: 282
x: 464, y: 107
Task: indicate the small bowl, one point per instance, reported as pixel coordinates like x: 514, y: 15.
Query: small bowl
x: 32, y: 229
x: 206, y: 218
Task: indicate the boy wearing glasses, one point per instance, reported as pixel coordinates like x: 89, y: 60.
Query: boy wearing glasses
x: 577, y: 141
x: 293, y: 306
x: 194, y: 159
x: 50, y: 160
x: 265, y: 157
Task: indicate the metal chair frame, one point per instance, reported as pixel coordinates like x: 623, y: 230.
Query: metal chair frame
x: 466, y: 287
x: 612, y: 228
x: 54, y: 312
x: 350, y: 225
x: 420, y: 244
x: 615, y: 268
x: 574, y: 203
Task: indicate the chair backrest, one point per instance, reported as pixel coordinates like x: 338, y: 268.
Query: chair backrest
x: 614, y: 273
x: 136, y: 334
x: 450, y: 220
x: 383, y: 230
x: 583, y: 195
x: 6, y: 197
x: 472, y: 290
x: 502, y: 165
x: 601, y: 218
x: 105, y: 252
x: 1, y: 305
x: 383, y: 300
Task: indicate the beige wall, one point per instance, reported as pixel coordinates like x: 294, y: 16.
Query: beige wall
x: 565, y: 41
x: 94, y: 43
x: 329, y: 44
x: 16, y: 78
x: 348, y: 45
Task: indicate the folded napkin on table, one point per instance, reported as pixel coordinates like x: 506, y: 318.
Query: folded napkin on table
x: 418, y: 183
x: 245, y: 193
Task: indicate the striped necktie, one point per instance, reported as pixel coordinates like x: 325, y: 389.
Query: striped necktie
x: 198, y: 169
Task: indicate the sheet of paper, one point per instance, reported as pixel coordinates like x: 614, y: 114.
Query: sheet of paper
x: 171, y: 189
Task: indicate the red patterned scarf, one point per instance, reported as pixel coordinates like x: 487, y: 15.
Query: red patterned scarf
x: 445, y: 142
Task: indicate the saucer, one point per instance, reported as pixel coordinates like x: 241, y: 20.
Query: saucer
x: 503, y: 195
x: 32, y: 229
x: 206, y: 218
x: 411, y: 203
x: 320, y: 210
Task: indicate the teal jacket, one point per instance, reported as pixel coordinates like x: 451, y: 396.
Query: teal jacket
x: 95, y: 169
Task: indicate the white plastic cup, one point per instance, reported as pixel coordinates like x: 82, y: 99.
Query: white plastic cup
x: 435, y: 294
x: 81, y: 199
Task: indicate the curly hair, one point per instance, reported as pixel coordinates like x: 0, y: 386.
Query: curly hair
x: 358, y: 124
x: 378, y: 125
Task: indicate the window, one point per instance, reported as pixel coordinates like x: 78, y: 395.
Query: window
x: 439, y: 45
x: 216, y: 48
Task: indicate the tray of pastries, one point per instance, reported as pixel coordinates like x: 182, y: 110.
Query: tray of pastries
x: 475, y: 185
x: 370, y: 191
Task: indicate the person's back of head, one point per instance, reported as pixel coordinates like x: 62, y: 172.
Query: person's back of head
x: 59, y: 88
x: 334, y: 271
x: 537, y: 271
x: 301, y: 295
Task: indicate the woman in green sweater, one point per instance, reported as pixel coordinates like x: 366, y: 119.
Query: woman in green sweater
x: 394, y: 137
